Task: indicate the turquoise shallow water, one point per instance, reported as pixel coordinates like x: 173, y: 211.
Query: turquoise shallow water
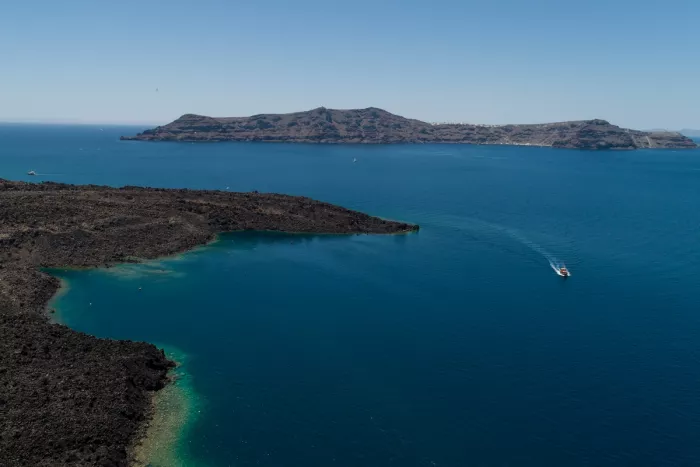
x: 453, y: 346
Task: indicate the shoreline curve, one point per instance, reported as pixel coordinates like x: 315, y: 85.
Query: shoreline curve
x: 102, y: 388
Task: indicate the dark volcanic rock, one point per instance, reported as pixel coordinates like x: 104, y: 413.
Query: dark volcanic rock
x: 374, y: 125
x: 67, y: 398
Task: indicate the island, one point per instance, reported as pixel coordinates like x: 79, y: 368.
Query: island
x: 68, y: 398
x: 373, y: 125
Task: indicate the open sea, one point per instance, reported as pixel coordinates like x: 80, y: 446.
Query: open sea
x: 454, y: 346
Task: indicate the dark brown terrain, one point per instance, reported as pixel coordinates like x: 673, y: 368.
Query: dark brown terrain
x: 374, y: 125
x: 67, y: 398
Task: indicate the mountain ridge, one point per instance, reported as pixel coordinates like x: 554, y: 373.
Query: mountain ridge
x: 377, y: 126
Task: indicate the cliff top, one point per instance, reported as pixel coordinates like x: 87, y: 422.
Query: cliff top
x: 374, y: 125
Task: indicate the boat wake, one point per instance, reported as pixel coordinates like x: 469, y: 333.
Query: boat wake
x: 558, y: 266
x: 554, y: 262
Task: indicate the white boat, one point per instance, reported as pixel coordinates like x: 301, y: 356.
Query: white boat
x: 31, y: 172
x: 561, y: 270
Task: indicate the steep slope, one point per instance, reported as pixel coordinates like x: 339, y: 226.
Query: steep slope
x: 319, y: 125
x: 374, y: 125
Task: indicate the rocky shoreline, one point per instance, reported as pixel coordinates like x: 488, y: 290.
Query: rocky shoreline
x: 377, y: 126
x: 67, y: 398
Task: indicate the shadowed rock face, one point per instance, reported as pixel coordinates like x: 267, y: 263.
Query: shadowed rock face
x: 374, y: 125
x: 67, y: 398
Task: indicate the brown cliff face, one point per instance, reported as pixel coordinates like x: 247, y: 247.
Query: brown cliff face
x: 374, y: 125
x: 67, y: 398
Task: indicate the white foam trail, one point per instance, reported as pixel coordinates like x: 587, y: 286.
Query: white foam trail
x: 532, y: 245
x: 522, y: 239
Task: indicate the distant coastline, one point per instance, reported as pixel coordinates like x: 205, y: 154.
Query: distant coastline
x: 377, y: 126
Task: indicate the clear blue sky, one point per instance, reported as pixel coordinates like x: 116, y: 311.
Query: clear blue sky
x: 635, y: 63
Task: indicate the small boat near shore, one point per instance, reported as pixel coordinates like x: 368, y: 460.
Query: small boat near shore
x: 31, y: 172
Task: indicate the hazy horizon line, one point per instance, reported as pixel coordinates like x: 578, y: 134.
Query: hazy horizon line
x: 58, y: 122
x: 74, y: 122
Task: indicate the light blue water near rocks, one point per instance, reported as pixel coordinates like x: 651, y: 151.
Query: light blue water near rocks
x: 454, y: 346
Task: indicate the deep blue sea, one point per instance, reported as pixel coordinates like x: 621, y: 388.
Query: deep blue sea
x: 454, y: 346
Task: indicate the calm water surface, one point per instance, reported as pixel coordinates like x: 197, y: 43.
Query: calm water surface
x: 455, y: 346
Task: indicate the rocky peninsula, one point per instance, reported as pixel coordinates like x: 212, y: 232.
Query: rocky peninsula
x: 374, y: 125
x: 67, y: 398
